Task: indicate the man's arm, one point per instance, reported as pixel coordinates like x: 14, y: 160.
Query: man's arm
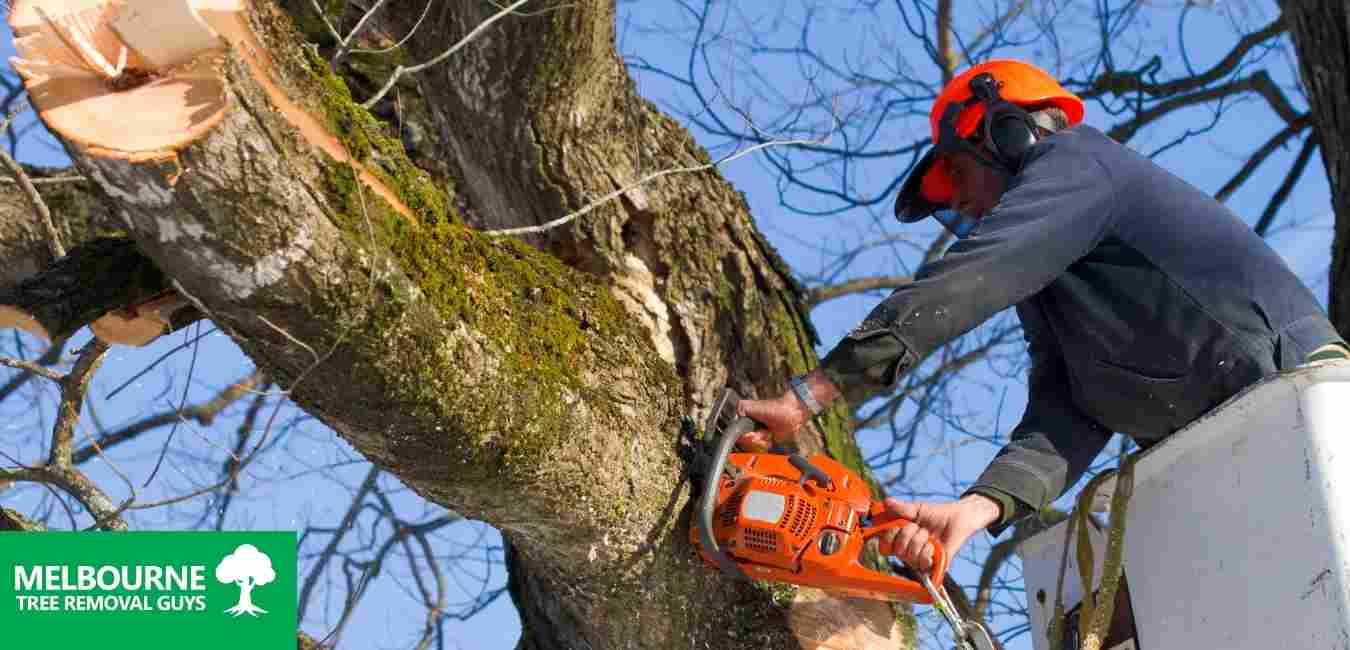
x: 1053, y: 444
x: 1051, y: 216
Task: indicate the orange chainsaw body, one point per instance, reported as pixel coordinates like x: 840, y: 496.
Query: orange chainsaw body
x: 776, y: 526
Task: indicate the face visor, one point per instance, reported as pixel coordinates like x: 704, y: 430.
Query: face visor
x: 928, y: 191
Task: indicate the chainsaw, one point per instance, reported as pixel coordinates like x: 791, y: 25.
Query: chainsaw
x: 787, y: 518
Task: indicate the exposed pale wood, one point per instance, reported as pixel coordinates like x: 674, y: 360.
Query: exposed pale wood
x: 97, y: 93
x: 139, y: 325
x: 824, y: 622
x: 165, y: 32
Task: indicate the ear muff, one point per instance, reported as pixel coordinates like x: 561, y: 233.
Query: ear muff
x: 1012, y: 136
x: 1009, y: 131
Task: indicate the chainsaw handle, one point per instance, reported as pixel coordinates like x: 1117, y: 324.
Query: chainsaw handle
x: 724, y: 409
x: 890, y: 521
x: 810, y: 472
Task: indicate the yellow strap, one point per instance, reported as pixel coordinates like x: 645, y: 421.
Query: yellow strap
x: 1095, y: 614
x: 1115, y: 557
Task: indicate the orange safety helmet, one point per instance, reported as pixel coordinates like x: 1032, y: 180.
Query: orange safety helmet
x: 929, y: 187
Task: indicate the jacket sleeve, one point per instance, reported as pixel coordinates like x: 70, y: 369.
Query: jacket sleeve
x: 1053, y: 444
x: 1051, y: 215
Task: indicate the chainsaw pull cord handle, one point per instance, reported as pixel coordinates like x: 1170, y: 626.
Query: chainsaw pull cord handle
x: 884, y: 520
x: 724, y: 409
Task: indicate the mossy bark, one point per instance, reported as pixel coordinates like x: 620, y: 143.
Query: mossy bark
x: 536, y: 385
x: 81, y: 213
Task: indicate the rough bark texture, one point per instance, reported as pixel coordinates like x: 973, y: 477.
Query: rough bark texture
x: 82, y: 212
x: 538, y: 387
x: 92, y: 278
x: 11, y: 521
x: 1321, y: 33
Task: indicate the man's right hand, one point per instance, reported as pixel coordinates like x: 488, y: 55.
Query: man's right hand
x: 949, y: 523
x: 779, y: 419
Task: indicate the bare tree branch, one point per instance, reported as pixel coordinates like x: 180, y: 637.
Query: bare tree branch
x: 819, y: 295
x: 203, y: 413
x: 36, y: 369
x: 1287, y: 186
x: 73, y: 388
x: 30, y: 192
x: 1260, y: 155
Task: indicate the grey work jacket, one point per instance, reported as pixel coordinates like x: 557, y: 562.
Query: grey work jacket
x: 1144, y: 302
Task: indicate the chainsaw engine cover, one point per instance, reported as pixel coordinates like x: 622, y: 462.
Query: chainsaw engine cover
x: 777, y: 527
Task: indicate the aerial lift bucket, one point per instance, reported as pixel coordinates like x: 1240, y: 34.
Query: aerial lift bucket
x: 1238, y: 532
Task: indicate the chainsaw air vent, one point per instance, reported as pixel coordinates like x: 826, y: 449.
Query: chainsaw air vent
x: 802, y: 519
x: 762, y: 540
x: 731, y: 509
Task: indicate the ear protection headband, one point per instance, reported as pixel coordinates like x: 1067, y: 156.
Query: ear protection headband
x: 1008, y: 131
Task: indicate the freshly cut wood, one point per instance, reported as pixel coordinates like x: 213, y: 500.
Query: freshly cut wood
x: 824, y: 622
x: 129, y: 80
x: 140, y: 324
x: 164, y: 33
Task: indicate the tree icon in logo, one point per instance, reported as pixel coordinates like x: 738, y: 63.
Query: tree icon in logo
x: 247, y: 567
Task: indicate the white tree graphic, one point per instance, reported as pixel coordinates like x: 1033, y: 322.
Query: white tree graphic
x: 247, y: 567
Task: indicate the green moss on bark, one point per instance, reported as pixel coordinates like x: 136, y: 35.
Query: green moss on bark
x: 537, y: 325
x: 379, y: 152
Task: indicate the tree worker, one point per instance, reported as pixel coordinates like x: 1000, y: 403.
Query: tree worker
x: 1144, y: 301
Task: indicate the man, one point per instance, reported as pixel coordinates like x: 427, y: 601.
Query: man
x: 1144, y: 302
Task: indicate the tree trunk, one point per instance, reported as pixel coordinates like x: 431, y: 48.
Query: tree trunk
x: 537, y: 387
x: 1321, y: 33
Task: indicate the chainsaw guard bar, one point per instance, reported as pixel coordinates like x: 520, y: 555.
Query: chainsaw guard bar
x: 723, y: 410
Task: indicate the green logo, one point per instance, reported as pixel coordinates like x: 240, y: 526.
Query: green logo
x: 149, y: 590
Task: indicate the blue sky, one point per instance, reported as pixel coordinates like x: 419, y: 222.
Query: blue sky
x: 312, y: 476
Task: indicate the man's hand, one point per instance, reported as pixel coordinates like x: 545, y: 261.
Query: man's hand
x: 779, y: 420
x: 781, y: 417
x: 950, y: 523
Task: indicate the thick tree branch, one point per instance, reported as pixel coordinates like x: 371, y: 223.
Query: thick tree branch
x: 73, y: 389
x: 1132, y: 82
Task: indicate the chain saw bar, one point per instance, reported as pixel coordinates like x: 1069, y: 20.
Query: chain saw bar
x: 726, y: 427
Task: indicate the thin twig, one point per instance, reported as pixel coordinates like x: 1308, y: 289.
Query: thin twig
x: 344, y: 46
x: 324, y: 17
x: 47, y: 181
x: 399, y: 44
x: 330, y: 550
x: 643, y: 181
x: 168, y: 440
x: 157, y: 361
x: 400, y: 70
x: 34, y: 368
x: 203, y: 413
x: 30, y: 192
x: 231, y: 469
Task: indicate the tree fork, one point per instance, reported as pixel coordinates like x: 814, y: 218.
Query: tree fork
x: 490, y: 377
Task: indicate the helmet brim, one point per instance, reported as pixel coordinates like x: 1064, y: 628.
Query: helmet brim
x: 927, y: 190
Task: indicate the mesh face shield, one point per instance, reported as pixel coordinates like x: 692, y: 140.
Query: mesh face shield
x: 912, y: 204
x: 1001, y: 122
